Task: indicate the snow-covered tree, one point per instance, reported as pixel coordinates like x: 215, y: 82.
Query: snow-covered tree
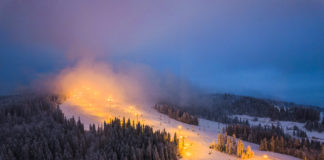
x: 239, y: 148
x: 249, y: 153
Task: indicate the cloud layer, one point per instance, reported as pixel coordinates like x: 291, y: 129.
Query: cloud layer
x: 261, y: 48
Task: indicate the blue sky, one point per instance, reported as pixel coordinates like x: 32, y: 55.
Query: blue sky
x: 270, y: 48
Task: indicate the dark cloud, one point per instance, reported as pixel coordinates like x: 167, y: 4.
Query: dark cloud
x: 269, y: 48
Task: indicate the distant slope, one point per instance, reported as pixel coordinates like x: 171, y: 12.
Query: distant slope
x: 225, y: 108
x: 218, y: 105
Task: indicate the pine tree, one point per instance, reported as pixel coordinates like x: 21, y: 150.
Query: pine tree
x: 228, y: 145
x: 25, y: 152
x: 222, y: 142
x: 133, y: 154
x: 115, y: 156
x: 219, y: 144
x: 67, y: 152
x: 162, y: 153
x: 239, y: 148
x: 243, y: 156
x: 296, y: 143
x: 234, y: 139
x: 265, y: 142
x: 272, y: 144
x: 175, y: 139
x: 261, y: 146
x: 155, y: 154
x: 249, y: 152
x: 250, y: 138
x: 321, y: 157
x: 277, y: 147
x: 281, y: 145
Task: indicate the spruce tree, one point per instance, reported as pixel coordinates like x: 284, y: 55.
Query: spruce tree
x: 230, y: 146
x: 261, y: 146
x: 239, y: 148
x: 227, y: 146
x: 219, y: 143
x: 322, y: 153
x: 272, y: 144
x: 249, y: 152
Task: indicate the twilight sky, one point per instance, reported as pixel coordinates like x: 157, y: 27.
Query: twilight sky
x: 264, y: 48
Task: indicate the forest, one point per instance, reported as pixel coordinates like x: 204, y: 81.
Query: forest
x: 218, y: 107
x: 173, y: 112
x: 34, y: 127
x: 272, y: 138
x: 315, y: 125
x: 230, y: 145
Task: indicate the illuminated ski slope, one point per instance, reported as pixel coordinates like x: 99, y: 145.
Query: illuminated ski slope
x: 194, y: 140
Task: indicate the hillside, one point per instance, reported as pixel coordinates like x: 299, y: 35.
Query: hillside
x: 34, y: 127
x: 47, y: 130
x: 297, y: 128
x: 218, y: 106
x: 194, y: 140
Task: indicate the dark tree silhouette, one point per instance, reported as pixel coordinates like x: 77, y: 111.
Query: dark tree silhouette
x: 218, y: 107
x: 33, y: 127
x: 272, y: 138
x: 173, y: 112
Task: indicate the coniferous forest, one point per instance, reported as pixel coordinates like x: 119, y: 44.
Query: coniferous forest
x: 229, y: 144
x: 177, y: 114
x: 33, y: 127
x: 272, y: 138
x: 218, y: 107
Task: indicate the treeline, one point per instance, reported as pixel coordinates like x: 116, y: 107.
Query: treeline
x: 272, y: 138
x: 35, y: 128
x: 254, y: 134
x: 218, y: 107
x: 275, y: 110
x: 228, y: 144
x: 299, y: 133
x: 315, y: 125
x: 182, y: 114
x: 173, y: 112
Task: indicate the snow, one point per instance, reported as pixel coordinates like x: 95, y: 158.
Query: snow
x: 286, y: 125
x: 197, y: 138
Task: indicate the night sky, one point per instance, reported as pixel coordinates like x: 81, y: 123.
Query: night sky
x: 263, y: 48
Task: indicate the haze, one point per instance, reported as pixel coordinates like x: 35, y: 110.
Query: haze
x: 272, y: 49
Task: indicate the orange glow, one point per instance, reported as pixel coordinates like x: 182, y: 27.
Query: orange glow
x: 265, y: 156
x: 104, y: 95
x: 109, y: 99
x: 96, y: 90
x: 188, y: 154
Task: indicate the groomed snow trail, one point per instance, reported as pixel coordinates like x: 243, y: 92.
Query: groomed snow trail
x: 196, y: 138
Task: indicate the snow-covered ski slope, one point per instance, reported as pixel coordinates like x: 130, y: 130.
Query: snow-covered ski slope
x: 196, y: 138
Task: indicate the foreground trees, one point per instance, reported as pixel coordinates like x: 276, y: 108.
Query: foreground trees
x: 228, y: 144
x: 33, y: 127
